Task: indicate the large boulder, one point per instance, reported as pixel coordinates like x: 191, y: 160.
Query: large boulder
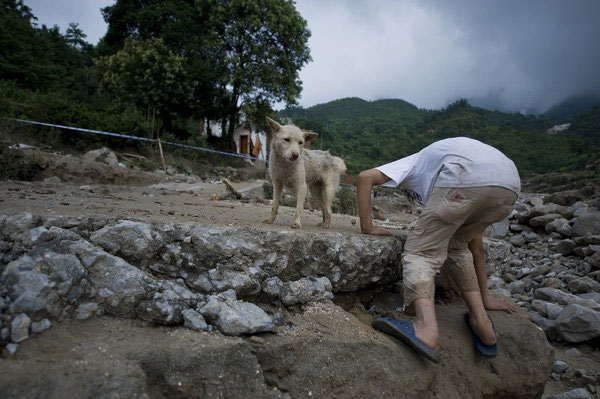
x: 587, y: 224
x: 578, y: 323
x: 103, y: 155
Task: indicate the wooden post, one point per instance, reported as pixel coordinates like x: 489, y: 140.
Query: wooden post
x: 162, y: 158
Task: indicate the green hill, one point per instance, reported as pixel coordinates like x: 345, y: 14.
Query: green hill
x: 371, y: 133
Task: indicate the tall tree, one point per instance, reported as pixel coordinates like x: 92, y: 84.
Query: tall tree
x: 260, y: 45
x: 237, y: 52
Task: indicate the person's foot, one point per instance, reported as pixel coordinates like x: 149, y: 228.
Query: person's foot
x: 426, y: 333
x: 482, y: 326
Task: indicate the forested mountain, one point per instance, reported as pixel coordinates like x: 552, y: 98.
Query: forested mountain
x: 367, y: 134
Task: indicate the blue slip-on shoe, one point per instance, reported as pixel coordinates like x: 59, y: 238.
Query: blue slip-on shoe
x: 485, y: 350
x: 405, y: 331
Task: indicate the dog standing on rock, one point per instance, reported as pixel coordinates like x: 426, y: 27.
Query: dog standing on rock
x: 296, y: 168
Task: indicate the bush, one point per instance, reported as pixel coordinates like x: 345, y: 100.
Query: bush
x: 346, y: 202
x: 268, y: 190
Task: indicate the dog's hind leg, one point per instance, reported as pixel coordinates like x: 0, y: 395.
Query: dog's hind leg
x: 301, y: 197
x: 277, y: 190
x: 329, y: 189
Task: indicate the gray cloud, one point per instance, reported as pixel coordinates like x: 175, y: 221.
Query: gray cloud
x: 523, y: 55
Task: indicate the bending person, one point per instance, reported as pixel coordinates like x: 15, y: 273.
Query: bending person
x: 465, y: 186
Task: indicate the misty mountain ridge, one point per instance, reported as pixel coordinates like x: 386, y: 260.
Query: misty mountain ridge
x: 370, y: 133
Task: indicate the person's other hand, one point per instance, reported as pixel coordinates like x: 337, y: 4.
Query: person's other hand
x: 492, y: 303
x: 376, y: 231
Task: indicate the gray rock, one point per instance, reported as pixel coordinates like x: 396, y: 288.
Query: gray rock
x: 594, y: 260
x: 578, y: 393
x: 532, y: 237
x: 578, y: 323
x: 553, y: 310
x: 517, y: 228
x: 583, y: 251
x: 502, y: 292
x: 12, y: 348
x: 496, y: 252
x: 237, y: 317
x: 540, y: 210
x: 574, y: 352
x: 547, y: 309
x: 29, y: 289
x: 560, y: 226
x: 103, y: 155
x: 547, y: 325
x: 559, y: 367
x: 350, y: 263
x: 542, y: 221
x: 120, y: 285
x: 588, y: 223
x: 498, y: 230
x: 305, y: 290
x: 18, y: 224
x: 536, y: 201
x: 19, y: 328
x: 194, y: 320
x: 579, y: 208
x: 583, y: 284
x: 39, y: 327
x: 595, y: 296
x: 549, y: 294
x: 131, y: 240
x: 517, y: 287
x: 565, y: 247
x: 87, y: 310
x: 222, y: 280
x: 517, y: 240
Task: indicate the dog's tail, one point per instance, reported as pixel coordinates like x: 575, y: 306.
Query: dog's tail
x: 339, y: 165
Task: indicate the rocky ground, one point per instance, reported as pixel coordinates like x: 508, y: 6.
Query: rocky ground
x: 86, y: 265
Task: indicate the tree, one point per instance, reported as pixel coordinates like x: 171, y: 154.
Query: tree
x: 183, y: 27
x: 147, y: 74
x: 260, y: 46
x: 237, y: 52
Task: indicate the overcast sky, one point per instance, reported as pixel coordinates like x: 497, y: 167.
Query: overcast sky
x: 523, y: 55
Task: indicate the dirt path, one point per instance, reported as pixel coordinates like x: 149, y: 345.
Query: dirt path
x: 163, y: 202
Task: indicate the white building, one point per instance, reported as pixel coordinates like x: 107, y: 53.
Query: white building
x: 246, y: 140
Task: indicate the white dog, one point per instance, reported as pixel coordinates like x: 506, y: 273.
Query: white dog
x: 294, y: 167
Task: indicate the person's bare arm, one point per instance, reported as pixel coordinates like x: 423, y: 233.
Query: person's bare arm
x: 366, y: 180
x: 490, y: 302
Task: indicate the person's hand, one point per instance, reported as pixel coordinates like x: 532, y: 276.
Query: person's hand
x: 376, y: 231
x: 492, y: 303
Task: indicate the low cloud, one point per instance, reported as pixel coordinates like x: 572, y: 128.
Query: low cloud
x: 523, y: 56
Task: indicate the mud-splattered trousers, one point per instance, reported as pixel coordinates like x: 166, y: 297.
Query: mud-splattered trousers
x: 451, y: 218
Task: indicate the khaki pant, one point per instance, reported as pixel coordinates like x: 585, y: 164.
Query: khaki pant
x: 451, y: 218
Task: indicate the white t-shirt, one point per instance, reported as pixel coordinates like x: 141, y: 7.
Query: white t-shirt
x: 454, y: 162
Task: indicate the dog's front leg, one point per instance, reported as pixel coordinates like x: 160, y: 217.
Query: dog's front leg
x: 301, y: 197
x: 277, y: 190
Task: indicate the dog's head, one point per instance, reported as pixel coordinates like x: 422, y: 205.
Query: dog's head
x: 289, y: 140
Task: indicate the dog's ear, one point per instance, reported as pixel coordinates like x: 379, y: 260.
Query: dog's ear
x: 309, y: 135
x: 275, y: 127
